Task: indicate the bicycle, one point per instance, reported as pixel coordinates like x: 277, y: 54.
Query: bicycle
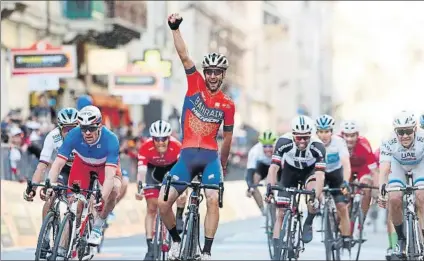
x: 190, y: 240
x: 77, y: 236
x: 290, y: 236
x: 330, y: 225
x: 50, y: 222
x: 356, y: 215
x: 414, y: 240
x: 161, y: 237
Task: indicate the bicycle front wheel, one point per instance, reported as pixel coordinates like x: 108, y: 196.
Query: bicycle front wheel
x: 357, y: 220
x: 331, y: 239
x: 157, y: 239
x: 414, y: 245
x: 64, y: 237
x: 269, y: 227
x: 285, y: 237
x: 48, y: 233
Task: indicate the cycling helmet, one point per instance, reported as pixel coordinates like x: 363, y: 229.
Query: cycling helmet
x: 404, y: 119
x: 89, y: 115
x: 267, y: 138
x: 302, y: 125
x: 215, y: 60
x: 422, y: 120
x: 160, y: 128
x: 349, y: 127
x: 67, y: 116
x: 325, y: 122
x: 84, y: 100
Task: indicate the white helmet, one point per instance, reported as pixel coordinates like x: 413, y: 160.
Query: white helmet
x: 404, y: 119
x: 89, y: 115
x: 215, y: 60
x: 67, y: 116
x: 302, y: 124
x: 160, y: 129
x: 349, y: 127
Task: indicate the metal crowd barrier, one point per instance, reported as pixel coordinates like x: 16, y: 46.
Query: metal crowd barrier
x: 26, y: 165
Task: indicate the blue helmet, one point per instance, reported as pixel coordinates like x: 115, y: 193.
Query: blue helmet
x: 83, y: 101
x: 325, y: 122
x: 422, y: 120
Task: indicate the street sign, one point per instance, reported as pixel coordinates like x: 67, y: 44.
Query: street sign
x: 43, y: 58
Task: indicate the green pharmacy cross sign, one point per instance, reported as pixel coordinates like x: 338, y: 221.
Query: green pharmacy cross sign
x: 153, y: 62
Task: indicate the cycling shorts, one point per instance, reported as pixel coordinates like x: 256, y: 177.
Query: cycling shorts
x: 193, y: 161
x: 80, y: 173
x: 291, y: 177
x: 154, y: 176
x: 397, y: 176
x: 334, y: 179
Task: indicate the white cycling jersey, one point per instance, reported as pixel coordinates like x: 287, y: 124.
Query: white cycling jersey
x: 52, y: 143
x: 393, y: 149
x: 256, y: 155
x: 335, y: 151
x: 312, y: 155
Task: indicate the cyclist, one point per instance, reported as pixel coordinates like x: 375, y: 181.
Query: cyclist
x: 156, y: 157
x: 390, y: 228
x: 67, y: 119
x: 304, y: 161
x: 362, y: 160
x: 403, y: 151
x: 96, y: 149
x: 258, y: 162
x: 205, y: 108
x: 337, y: 173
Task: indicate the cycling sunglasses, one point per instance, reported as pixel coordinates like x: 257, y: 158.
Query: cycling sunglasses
x: 217, y: 72
x: 89, y: 128
x: 402, y: 132
x: 267, y: 146
x: 160, y: 139
x: 67, y: 128
x: 302, y: 137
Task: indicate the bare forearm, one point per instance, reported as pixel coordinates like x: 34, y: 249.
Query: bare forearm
x: 180, y: 45
x: 272, y: 174
x: 108, y: 183
x: 347, y: 171
x: 375, y: 176
x: 141, y: 176
x: 38, y: 174
x: 225, y: 151
x: 384, y: 173
x: 319, y: 184
x: 57, y: 166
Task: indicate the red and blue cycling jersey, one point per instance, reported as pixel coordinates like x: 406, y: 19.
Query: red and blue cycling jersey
x: 203, y: 112
x: 103, y: 152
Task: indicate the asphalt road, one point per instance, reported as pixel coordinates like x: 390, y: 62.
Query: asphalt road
x: 240, y: 240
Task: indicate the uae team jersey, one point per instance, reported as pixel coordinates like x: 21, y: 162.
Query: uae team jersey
x: 203, y: 113
x: 104, y: 152
x: 149, y: 155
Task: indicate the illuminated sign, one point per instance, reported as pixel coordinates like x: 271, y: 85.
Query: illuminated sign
x: 42, y: 58
x: 153, y: 62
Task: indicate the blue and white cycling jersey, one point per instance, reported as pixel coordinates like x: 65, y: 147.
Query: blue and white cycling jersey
x: 103, y: 152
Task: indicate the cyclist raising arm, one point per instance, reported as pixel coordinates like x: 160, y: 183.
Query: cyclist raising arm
x: 205, y: 108
x: 304, y: 161
x: 96, y: 149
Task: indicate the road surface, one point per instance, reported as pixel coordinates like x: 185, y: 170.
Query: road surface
x: 240, y: 240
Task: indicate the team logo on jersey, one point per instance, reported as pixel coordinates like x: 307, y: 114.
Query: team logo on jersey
x: 57, y: 138
x: 203, y: 112
x: 408, y: 156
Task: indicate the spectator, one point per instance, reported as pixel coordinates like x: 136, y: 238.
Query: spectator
x: 44, y: 113
x: 15, y: 156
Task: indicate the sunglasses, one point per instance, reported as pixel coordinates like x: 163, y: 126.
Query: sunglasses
x: 267, y: 146
x: 217, y: 72
x: 67, y: 128
x: 160, y: 139
x: 402, y: 132
x: 89, y: 128
x: 302, y: 137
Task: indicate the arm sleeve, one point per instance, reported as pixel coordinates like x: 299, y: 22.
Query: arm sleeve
x: 229, y: 117
x: 318, y: 150
x: 283, y: 146
x: 68, y: 144
x: 48, y: 149
x: 249, y: 176
x: 112, y: 158
x: 386, y: 152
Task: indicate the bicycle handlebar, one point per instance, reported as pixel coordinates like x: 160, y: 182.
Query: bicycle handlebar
x: 293, y: 190
x: 362, y: 185
x: 148, y: 186
x: 195, y: 184
x: 405, y: 189
x: 327, y: 189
